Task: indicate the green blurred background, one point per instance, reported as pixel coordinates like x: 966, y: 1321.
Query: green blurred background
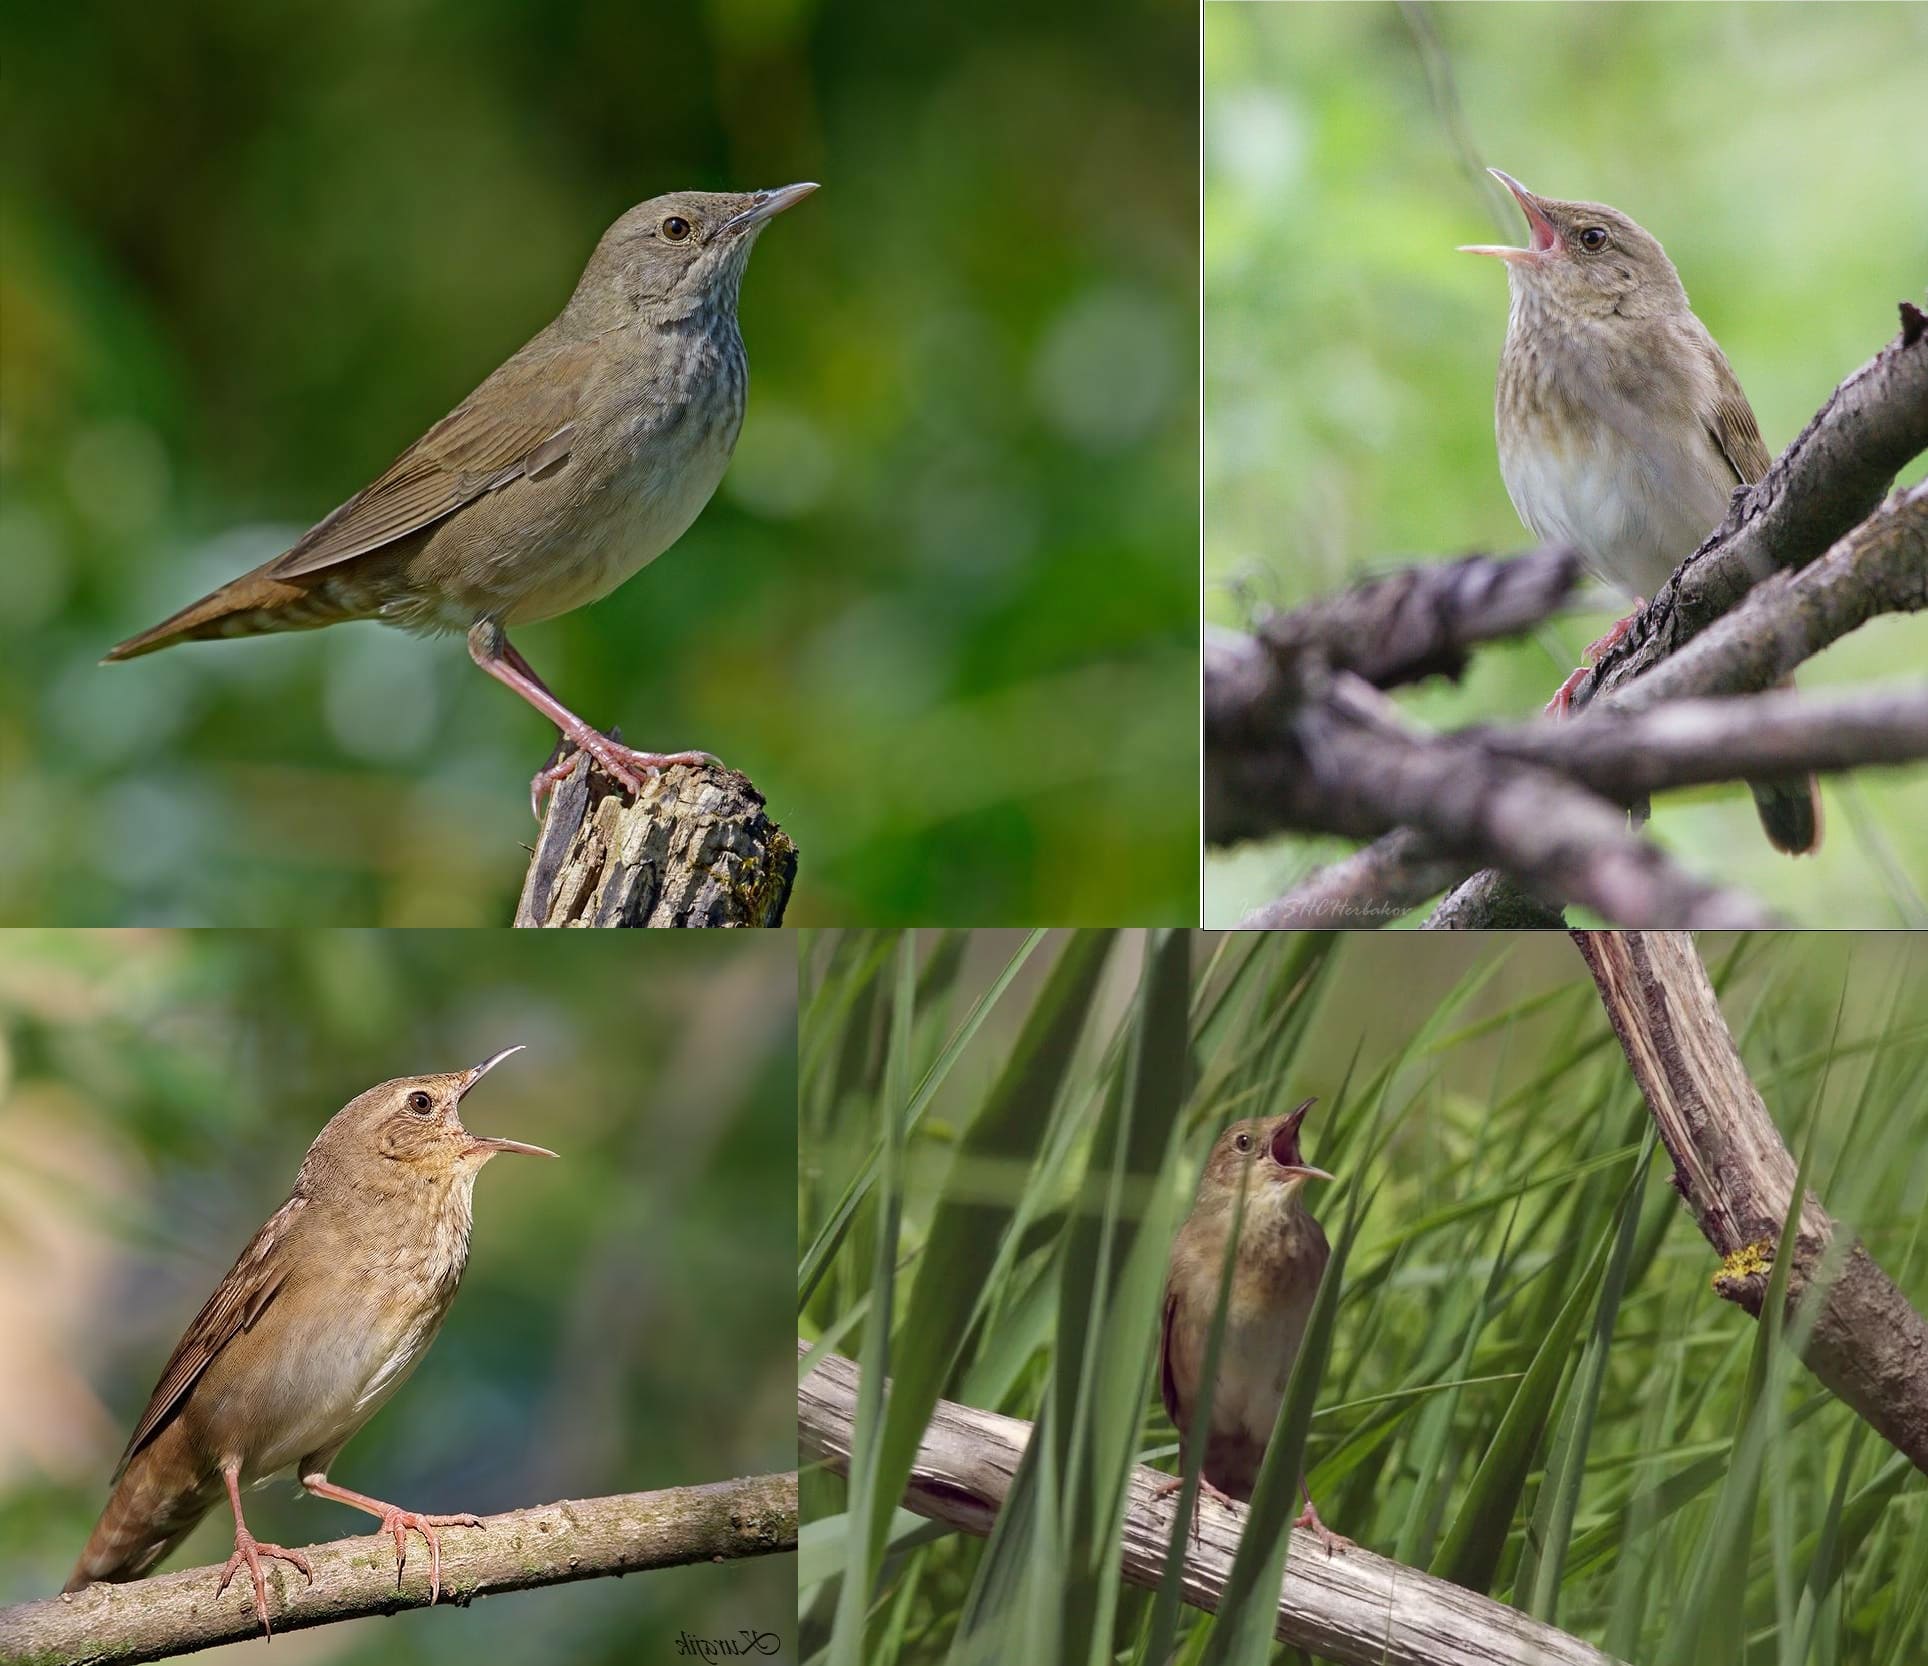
x: 943, y: 610
x: 1350, y: 351
x: 623, y: 1323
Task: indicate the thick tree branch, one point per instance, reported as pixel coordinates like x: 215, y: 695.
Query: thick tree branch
x: 549, y: 1544
x: 695, y: 849
x: 1356, y: 1609
x: 1735, y: 1174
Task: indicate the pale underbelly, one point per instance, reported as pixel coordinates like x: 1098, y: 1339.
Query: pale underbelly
x: 1632, y: 522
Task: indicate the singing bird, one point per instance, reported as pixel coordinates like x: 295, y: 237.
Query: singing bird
x: 1622, y: 429
x: 327, y: 1311
x: 1281, y: 1257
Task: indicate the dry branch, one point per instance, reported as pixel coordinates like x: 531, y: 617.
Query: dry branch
x: 1733, y: 1171
x: 695, y: 849
x: 549, y: 1544
x: 1356, y: 1609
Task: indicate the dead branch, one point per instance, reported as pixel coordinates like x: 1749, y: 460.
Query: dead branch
x: 1356, y: 1609
x: 1734, y: 1172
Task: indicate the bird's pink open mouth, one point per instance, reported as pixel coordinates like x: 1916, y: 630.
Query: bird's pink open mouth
x: 1542, y: 238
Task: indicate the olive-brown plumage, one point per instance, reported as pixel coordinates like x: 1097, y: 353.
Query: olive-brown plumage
x: 582, y: 458
x: 1622, y: 428
x: 1276, y: 1269
x: 320, y: 1320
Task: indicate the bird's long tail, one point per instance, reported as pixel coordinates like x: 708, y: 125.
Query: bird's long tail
x: 1790, y: 813
x: 158, y: 1500
x: 249, y: 606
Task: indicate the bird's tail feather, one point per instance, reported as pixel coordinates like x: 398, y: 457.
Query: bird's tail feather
x: 1790, y: 813
x: 149, y: 1512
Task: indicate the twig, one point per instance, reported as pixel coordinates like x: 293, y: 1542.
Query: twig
x: 1355, y: 1609
x: 548, y: 1544
x: 695, y: 849
x: 1735, y: 1174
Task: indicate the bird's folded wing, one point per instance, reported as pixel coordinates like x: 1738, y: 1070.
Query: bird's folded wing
x: 242, y: 1298
x: 1733, y: 427
x: 521, y: 421
x: 1167, y: 1380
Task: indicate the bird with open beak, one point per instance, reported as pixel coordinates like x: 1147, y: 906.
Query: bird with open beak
x: 1622, y: 428
x: 1276, y: 1269
x: 327, y: 1311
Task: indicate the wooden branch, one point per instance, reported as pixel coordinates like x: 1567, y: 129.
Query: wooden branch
x: 1355, y: 1608
x: 1733, y: 1171
x: 695, y: 849
x: 549, y: 1544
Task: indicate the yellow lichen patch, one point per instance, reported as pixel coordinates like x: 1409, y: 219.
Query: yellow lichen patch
x: 1746, y: 1261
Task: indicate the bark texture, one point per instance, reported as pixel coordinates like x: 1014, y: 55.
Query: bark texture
x: 1736, y: 1175
x: 1356, y: 1609
x: 695, y: 849
x: 550, y: 1544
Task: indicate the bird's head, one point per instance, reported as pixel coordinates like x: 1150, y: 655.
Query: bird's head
x: 413, y: 1126
x: 1262, y: 1155
x: 676, y: 255
x: 1586, y: 257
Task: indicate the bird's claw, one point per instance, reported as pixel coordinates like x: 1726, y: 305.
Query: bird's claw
x: 399, y: 1522
x: 1308, y: 1521
x: 624, y: 765
x: 248, y: 1551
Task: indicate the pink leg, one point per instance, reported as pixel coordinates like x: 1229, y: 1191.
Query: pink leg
x: 249, y: 1550
x: 1308, y: 1520
x: 1597, y: 650
x: 397, y: 1521
x: 1173, y: 1483
x: 490, y: 648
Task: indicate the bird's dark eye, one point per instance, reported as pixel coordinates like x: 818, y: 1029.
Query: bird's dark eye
x: 420, y: 1103
x: 676, y: 228
x: 1594, y: 237
x: 1243, y: 1142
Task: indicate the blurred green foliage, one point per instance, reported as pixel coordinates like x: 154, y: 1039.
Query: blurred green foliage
x: 1351, y: 352
x: 943, y: 611
x: 622, y: 1326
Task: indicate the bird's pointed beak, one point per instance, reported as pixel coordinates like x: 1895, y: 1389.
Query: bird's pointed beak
x: 471, y: 1077
x: 484, y: 1149
x: 1285, y: 1147
x: 1542, y: 238
x: 768, y: 204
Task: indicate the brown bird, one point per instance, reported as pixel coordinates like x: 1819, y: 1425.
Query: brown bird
x: 1276, y: 1269
x: 1622, y: 428
x: 578, y: 462
x: 322, y: 1318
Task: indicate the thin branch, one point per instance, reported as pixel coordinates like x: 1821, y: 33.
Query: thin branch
x: 548, y: 1544
x: 1735, y: 1174
x: 1355, y: 1609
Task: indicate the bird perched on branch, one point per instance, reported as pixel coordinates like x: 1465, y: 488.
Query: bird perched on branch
x: 327, y: 1311
x: 1276, y: 1269
x: 583, y: 458
x: 1622, y: 429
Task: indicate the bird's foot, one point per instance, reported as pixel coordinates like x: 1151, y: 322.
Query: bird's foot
x: 623, y: 764
x: 248, y: 1551
x: 1598, y: 650
x: 399, y: 1522
x: 1562, y: 701
x: 1308, y: 1521
x: 1173, y: 1483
